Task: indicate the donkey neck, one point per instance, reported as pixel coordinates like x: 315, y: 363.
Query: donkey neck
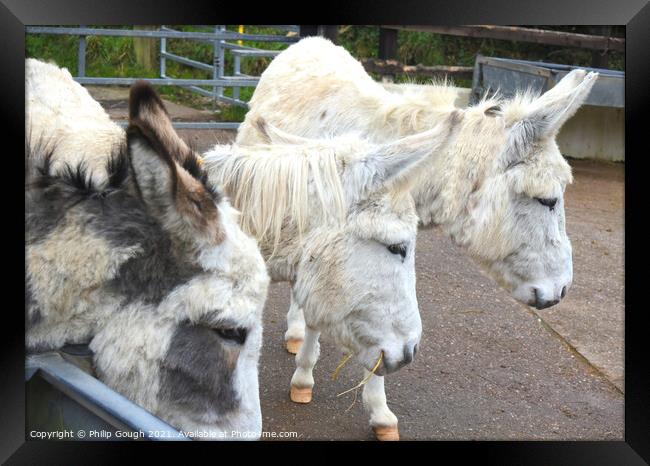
x: 442, y: 190
x: 398, y: 115
x: 282, y: 257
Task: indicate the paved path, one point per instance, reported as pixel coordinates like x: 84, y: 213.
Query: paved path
x: 489, y: 367
x: 591, y: 317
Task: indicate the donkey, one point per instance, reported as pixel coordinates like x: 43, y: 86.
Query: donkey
x: 142, y: 259
x: 334, y: 218
x: 497, y: 188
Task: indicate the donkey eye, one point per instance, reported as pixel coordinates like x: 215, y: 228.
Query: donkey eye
x: 397, y: 249
x: 550, y: 203
x: 238, y: 335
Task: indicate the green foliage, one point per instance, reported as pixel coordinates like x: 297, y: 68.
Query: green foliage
x: 360, y: 41
x: 60, y: 49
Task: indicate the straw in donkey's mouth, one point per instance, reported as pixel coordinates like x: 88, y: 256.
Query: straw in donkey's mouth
x: 345, y: 359
x: 364, y: 381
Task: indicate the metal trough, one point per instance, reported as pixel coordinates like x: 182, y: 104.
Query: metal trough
x: 509, y: 76
x: 63, y: 397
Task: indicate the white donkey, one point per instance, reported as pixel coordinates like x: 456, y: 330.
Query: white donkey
x: 497, y: 188
x: 334, y: 217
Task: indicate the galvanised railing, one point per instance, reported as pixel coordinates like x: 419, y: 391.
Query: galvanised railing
x: 219, y: 37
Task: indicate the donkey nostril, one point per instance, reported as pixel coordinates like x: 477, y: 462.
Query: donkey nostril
x: 535, y: 297
x: 409, y: 352
x: 563, y: 294
x: 539, y: 302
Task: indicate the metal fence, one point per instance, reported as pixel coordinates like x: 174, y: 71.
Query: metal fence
x: 222, y: 43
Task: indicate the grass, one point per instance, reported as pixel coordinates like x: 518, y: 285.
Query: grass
x: 115, y: 56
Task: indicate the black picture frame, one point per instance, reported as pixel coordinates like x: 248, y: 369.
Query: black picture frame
x: 635, y: 14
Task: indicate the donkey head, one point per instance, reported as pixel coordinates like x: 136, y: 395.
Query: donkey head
x: 153, y: 270
x: 514, y: 217
x: 356, y: 278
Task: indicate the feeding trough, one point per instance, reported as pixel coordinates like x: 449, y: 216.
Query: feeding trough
x: 67, y: 403
x: 595, y: 132
x: 509, y: 76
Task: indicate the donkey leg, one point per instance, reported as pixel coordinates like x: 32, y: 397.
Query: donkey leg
x: 382, y: 419
x: 295, y: 333
x: 303, y: 380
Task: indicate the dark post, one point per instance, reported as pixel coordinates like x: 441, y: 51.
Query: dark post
x: 387, y: 44
x: 600, y: 58
x: 308, y: 30
x: 388, y: 49
x: 328, y: 31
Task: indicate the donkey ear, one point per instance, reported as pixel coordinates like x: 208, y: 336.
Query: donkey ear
x: 550, y: 111
x: 147, y: 111
x: 395, y: 163
x: 172, y: 193
x: 274, y: 135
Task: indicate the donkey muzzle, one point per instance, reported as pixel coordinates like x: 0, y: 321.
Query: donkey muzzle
x: 393, y: 365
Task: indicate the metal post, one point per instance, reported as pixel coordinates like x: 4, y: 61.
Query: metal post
x: 237, y: 72
x: 81, y: 57
x: 218, y: 61
x: 163, y: 59
x: 222, y: 60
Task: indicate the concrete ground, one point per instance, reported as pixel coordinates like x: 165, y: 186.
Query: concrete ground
x: 488, y: 367
x: 591, y: 317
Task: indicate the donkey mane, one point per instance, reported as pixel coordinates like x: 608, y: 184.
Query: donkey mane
x: 411, y: 106
x: 272, y: 190
x: 76, y: 180
x: 435, y: 91
x: 193, y: 164
x: 411, y: 101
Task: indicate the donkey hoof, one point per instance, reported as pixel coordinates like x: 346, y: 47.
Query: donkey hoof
x: 386, y: 433
x: 293, y: 345
x: 300, y: 395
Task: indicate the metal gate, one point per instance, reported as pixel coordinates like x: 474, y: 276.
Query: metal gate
x: 222, y: 42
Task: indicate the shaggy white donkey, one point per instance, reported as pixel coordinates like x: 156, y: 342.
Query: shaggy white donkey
x: 497, y: 188
x: 334, y: 218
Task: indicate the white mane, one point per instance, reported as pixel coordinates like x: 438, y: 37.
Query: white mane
x: 435, y: 93
x: 277, y: 188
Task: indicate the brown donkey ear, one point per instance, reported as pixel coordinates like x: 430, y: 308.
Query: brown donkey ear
x: 148, y: 112
x: 178, y: 198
